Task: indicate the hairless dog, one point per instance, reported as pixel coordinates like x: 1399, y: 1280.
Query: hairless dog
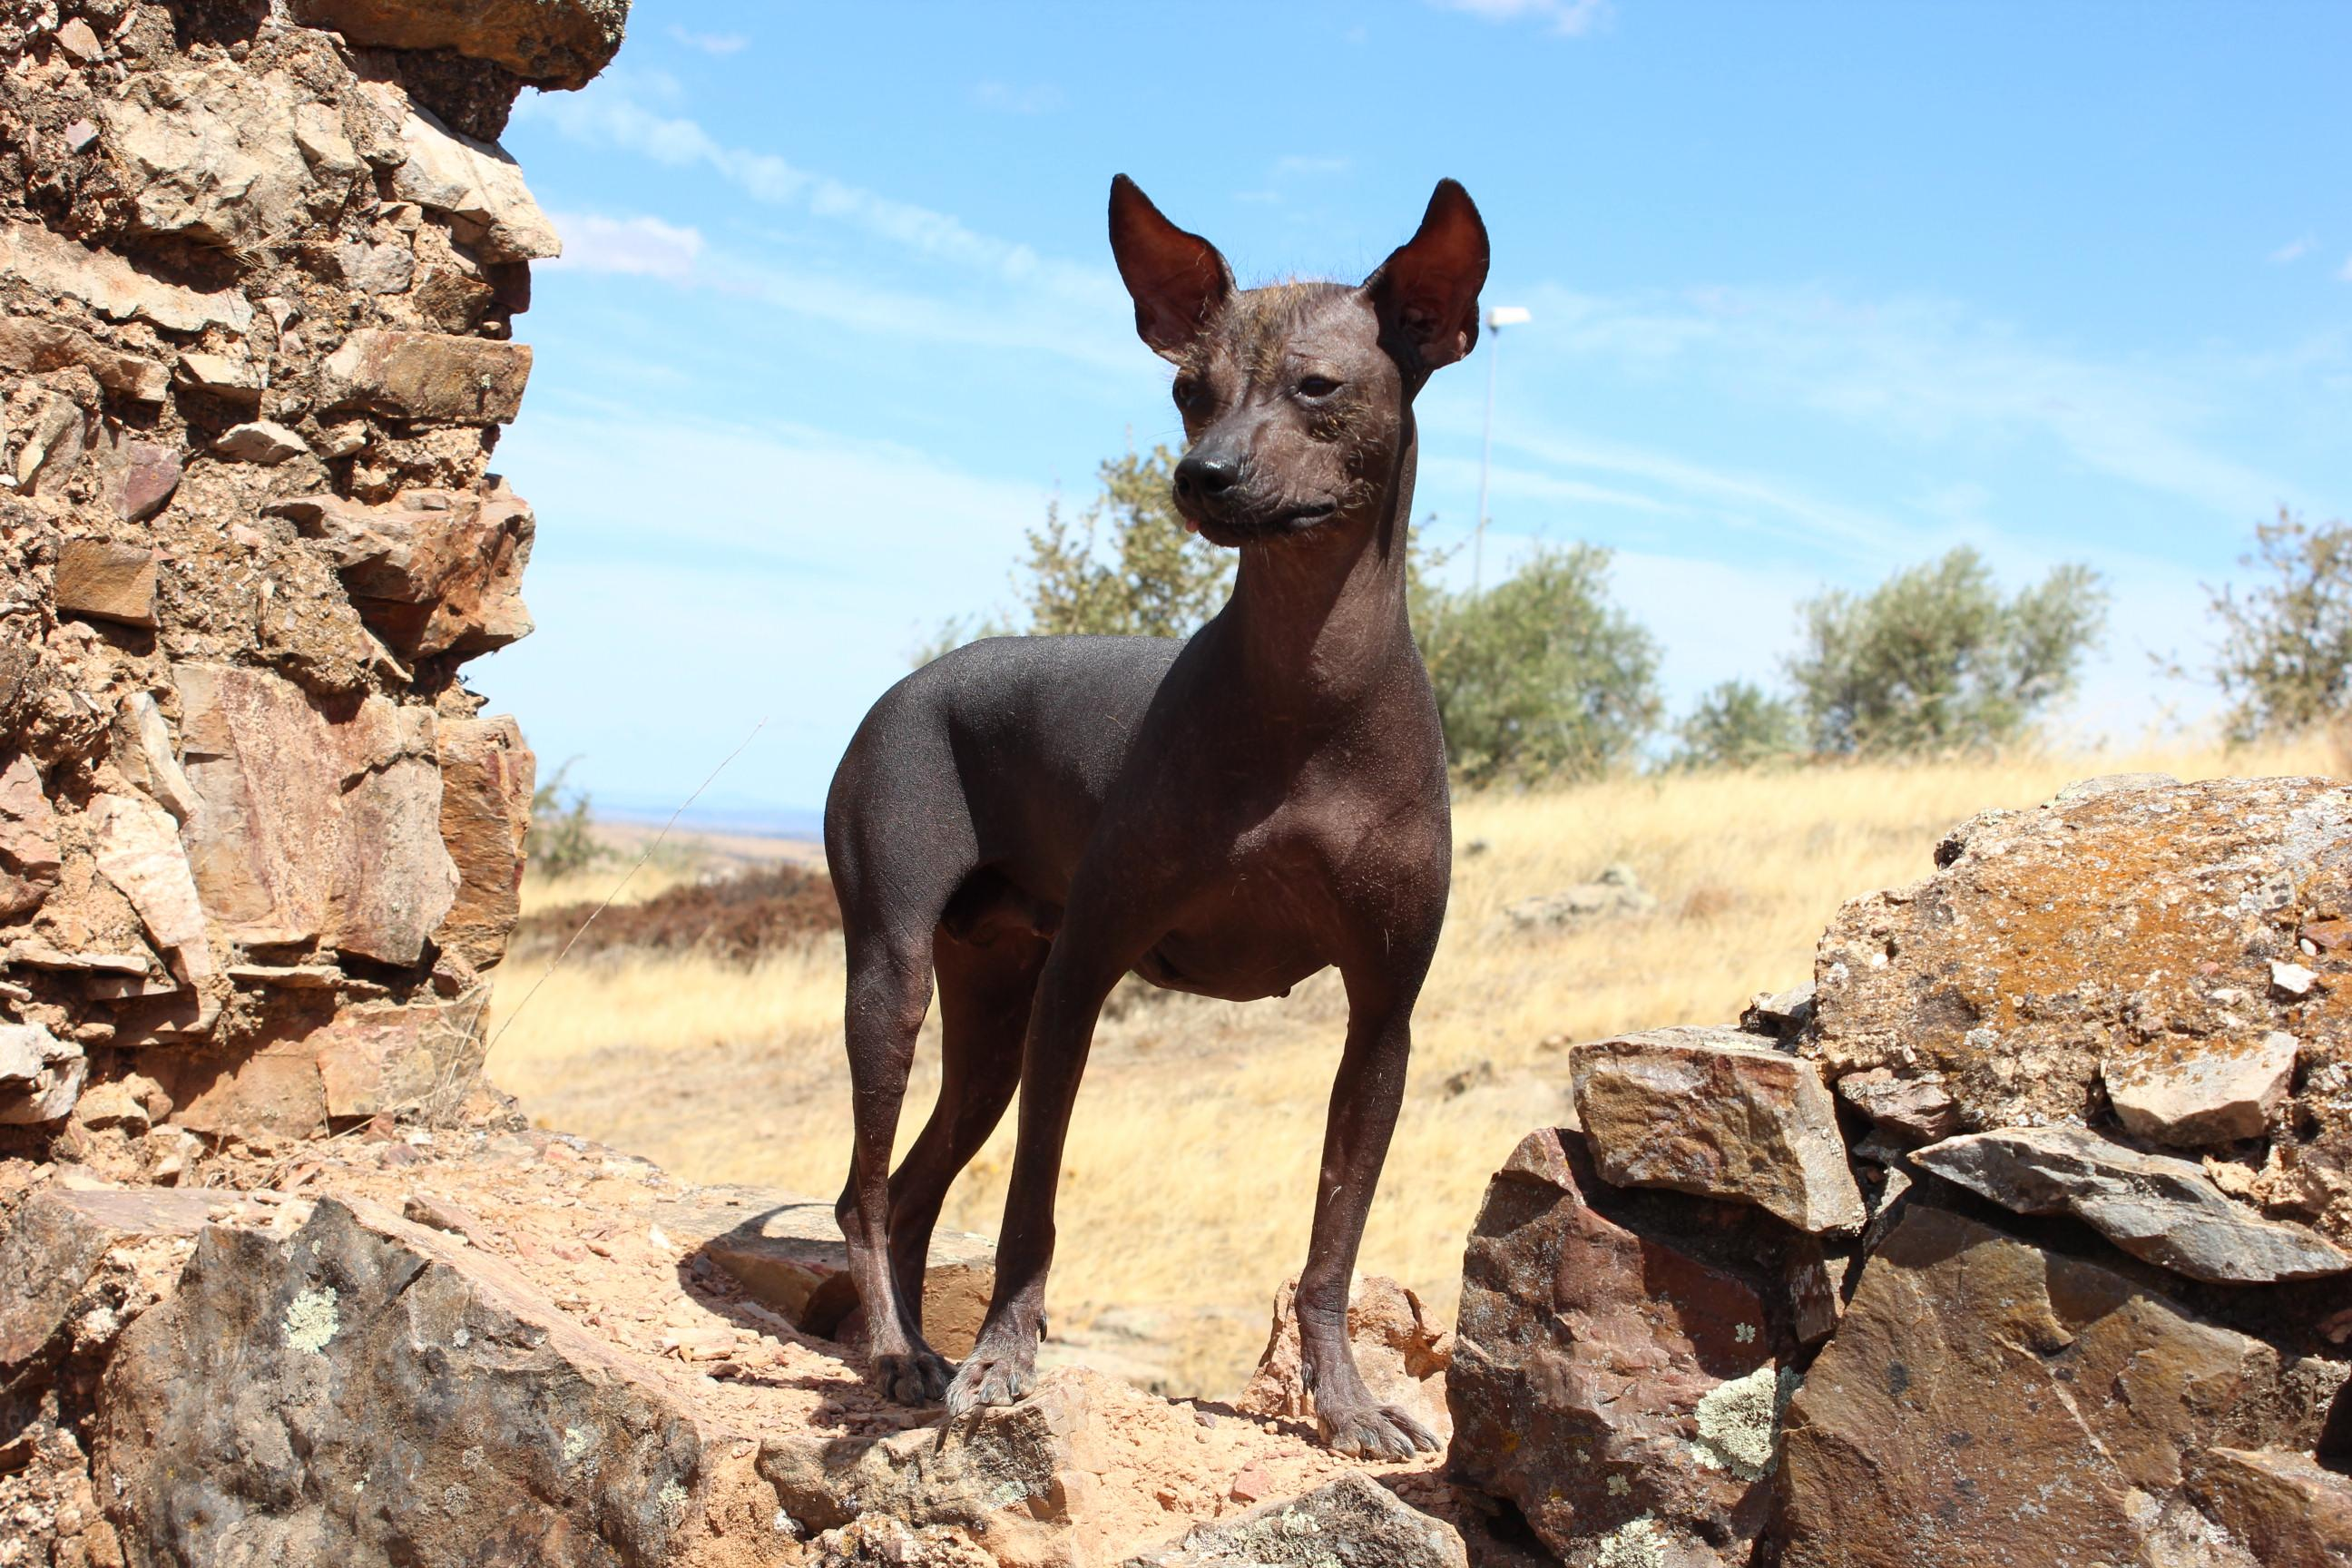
x: 1027, y: 819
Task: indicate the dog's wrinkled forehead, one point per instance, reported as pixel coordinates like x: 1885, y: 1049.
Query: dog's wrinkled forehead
x: 1256, y: 327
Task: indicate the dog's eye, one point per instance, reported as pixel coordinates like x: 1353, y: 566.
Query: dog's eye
x: 1317, y: 386
x: 1188, y: 393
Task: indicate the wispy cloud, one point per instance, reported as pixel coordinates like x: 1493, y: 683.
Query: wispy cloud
x: 1570, y: 19
x: 2344, y: 272
x: 1003, y: 97
x: 614, y: 119
x: 2294, y: 250
x: 1926, y: 371
x: 642, y: 246
x: 712, y: 43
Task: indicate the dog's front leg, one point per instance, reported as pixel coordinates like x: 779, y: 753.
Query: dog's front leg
x: 1365, y: 1099
x: 1087, y: 960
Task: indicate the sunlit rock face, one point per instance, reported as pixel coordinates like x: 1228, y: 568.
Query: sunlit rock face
x: 259, y: 282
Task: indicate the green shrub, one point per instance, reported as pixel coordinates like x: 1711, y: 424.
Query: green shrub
x: 2286, y: 660
x: 1541, y: 675
x: 1738, y: 724
x: 1934, y: 661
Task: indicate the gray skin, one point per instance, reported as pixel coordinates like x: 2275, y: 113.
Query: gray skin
x: 1027, y: 819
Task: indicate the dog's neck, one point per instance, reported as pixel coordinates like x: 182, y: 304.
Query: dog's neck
x: 1315, y: 623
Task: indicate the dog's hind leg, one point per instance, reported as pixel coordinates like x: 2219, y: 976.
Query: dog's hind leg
x: 898, y: 841
x: 889, y: 991
x: 985, y: 988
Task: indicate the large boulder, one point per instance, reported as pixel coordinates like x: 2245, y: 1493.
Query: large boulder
x: 112, y: 284
x: 218, y: 155
x: 435, y: 377
x: 1618, y: 1360
x: 2288, y: 1509
x: 40, y: 1076
x: 70, y: 1265
x: 431, y: 572
x: 478, y: 184
x: 28, y: 840
x: 363, y: 1390
x: 1988, y: 1403
x: 2136, y: 944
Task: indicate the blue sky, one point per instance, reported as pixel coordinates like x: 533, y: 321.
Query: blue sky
x: 1818, y: 290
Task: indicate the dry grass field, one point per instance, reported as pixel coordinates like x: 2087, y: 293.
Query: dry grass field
x: 1190, y: 1162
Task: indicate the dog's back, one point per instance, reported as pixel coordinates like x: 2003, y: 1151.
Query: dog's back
x: 996, y: 756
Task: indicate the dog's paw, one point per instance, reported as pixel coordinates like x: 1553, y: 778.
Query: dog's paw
x: 919, y: 1377
x: 1369, y: 1431
x: 986, y: 1379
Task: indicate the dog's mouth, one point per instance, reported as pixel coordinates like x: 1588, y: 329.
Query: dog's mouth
x: 1235, y: 529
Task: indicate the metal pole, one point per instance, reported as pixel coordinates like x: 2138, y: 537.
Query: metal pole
x: 1485, y: 455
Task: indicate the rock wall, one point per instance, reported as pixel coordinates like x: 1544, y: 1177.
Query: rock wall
x: 2021, y: 1235
x: 259, y: 267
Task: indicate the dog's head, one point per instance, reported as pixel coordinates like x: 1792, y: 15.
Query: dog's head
x: 1295, y: 397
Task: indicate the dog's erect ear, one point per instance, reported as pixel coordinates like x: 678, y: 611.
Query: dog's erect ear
x: 1427, y: 290
x: 1178, y: 279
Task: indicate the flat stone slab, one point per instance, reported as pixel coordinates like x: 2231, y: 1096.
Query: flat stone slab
x: 2157, y: 1208
x: 1713, y: 1113
x: 787, y: 1253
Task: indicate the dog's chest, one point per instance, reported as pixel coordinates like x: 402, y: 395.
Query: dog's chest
x: 1256, y: 927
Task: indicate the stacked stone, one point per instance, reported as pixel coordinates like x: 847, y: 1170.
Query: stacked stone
x: 259, y: 271
x: 2024, y: 1234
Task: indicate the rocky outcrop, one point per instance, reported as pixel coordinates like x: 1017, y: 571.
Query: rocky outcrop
x: 258, y: 277
x: 2020, y: 1238
x: 1617, y: 892
x: 1351, y: 1522
x: 545, y: 45
x: 2165, y: 1210
x: 2162, y: 958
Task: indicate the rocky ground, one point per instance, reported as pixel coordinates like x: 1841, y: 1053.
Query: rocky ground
x: 480, y: 1334
x: 1760, y: 1302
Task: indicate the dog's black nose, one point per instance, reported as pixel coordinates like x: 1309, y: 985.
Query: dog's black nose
x: 1207, y: 476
